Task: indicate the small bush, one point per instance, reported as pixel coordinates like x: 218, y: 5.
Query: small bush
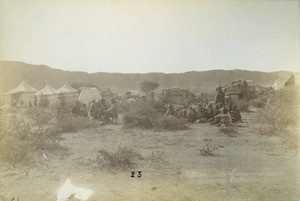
x: 144, y: 114
x: 46, y: 138
x: 280, y: 116
x: 15, y: 146
x: 124, y: 106
x: 141, y: 121
x: 141, y: 114
x: 121, y: 160
x: 160, y: 105
x: 157, y: 158
x: 171, y: 123
x: 67, y: 122
x: 39, y: 116
x: 19, y: 143
x: 208, y: 150
x: 229, y: 130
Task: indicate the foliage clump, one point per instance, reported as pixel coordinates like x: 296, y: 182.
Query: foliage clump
x: 22, y: 139
x: 280, y: 116
x: 208, y: 150
x: 144, y: 114
x: 67, y: 122
x: 120, y: 160
x: 148, y: 86
x: 171, y: 123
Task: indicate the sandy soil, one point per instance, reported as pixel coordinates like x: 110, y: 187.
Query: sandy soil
x: 246, y: 167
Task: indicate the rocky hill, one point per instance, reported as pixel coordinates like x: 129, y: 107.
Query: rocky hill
x: 12, y: 73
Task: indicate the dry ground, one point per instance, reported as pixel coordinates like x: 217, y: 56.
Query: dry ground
x: 246, y: 167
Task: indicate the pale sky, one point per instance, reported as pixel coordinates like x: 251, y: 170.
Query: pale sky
x: 151, y: 35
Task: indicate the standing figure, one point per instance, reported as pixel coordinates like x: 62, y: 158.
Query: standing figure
x: 211, y: 111
x: 245, y: 91
x: 93, y: 110
x: 112, y: 112
x: 35, y: 101
x: 191, y: 114
x: 170, y: 110
x: 220, y: 96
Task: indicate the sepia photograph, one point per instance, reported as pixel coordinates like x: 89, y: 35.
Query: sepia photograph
x: 149, y: 100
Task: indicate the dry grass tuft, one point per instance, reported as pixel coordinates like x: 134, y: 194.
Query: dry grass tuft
x: 122, y: 159
x: 208, y: 150
x: 231, y: 131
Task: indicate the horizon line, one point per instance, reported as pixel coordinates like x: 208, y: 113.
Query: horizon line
x: 150, y: 72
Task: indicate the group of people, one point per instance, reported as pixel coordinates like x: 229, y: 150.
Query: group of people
x: 97, y: 110
x: 216, y: 113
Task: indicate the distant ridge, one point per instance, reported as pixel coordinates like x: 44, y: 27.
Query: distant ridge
x: 12, y: 73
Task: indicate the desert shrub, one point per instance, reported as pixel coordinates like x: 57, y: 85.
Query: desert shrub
x: 67, y: 122
x: 273, y: 120
x: 148, y: 86
x: 120, y: 160
x: 124, y: 106
x: 141, y: 121
x: 14, y: 142
x: 39, y: 116
x: 280, y: 116
x: 63, y: 106
x: 157, y: 158
x: 160, y: 105
x: 47, y: 138
x: 209, y: 95
x: 171, y: 123
x: 208, y: 150
x: 228, y: 130
x: 19, y: 143
x: 141, y: 114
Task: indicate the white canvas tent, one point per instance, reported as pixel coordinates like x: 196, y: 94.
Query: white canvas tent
x: 22, y: 95
x: 67, y: 89
x: 87, y: 95
x: 69, y: 93
x: 24, y: 87
x: 48, y: 92
x: 278, y: 84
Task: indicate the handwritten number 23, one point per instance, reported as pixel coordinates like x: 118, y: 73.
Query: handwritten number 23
x: 139, y: 174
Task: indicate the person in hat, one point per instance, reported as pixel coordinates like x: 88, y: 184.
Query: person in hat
x: 76, y: 108
x: 210, y: 111
x: 170, y: 110
x: 220, y: 96
x: 93, y: 110
x: 191, y: 114
x: 236, y: 115
x: 182, y: 111
x: 83, y: 110
x: 225, y: 117
x: 245, y: 91
x: 112, y: 112
x: 201, y: 112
